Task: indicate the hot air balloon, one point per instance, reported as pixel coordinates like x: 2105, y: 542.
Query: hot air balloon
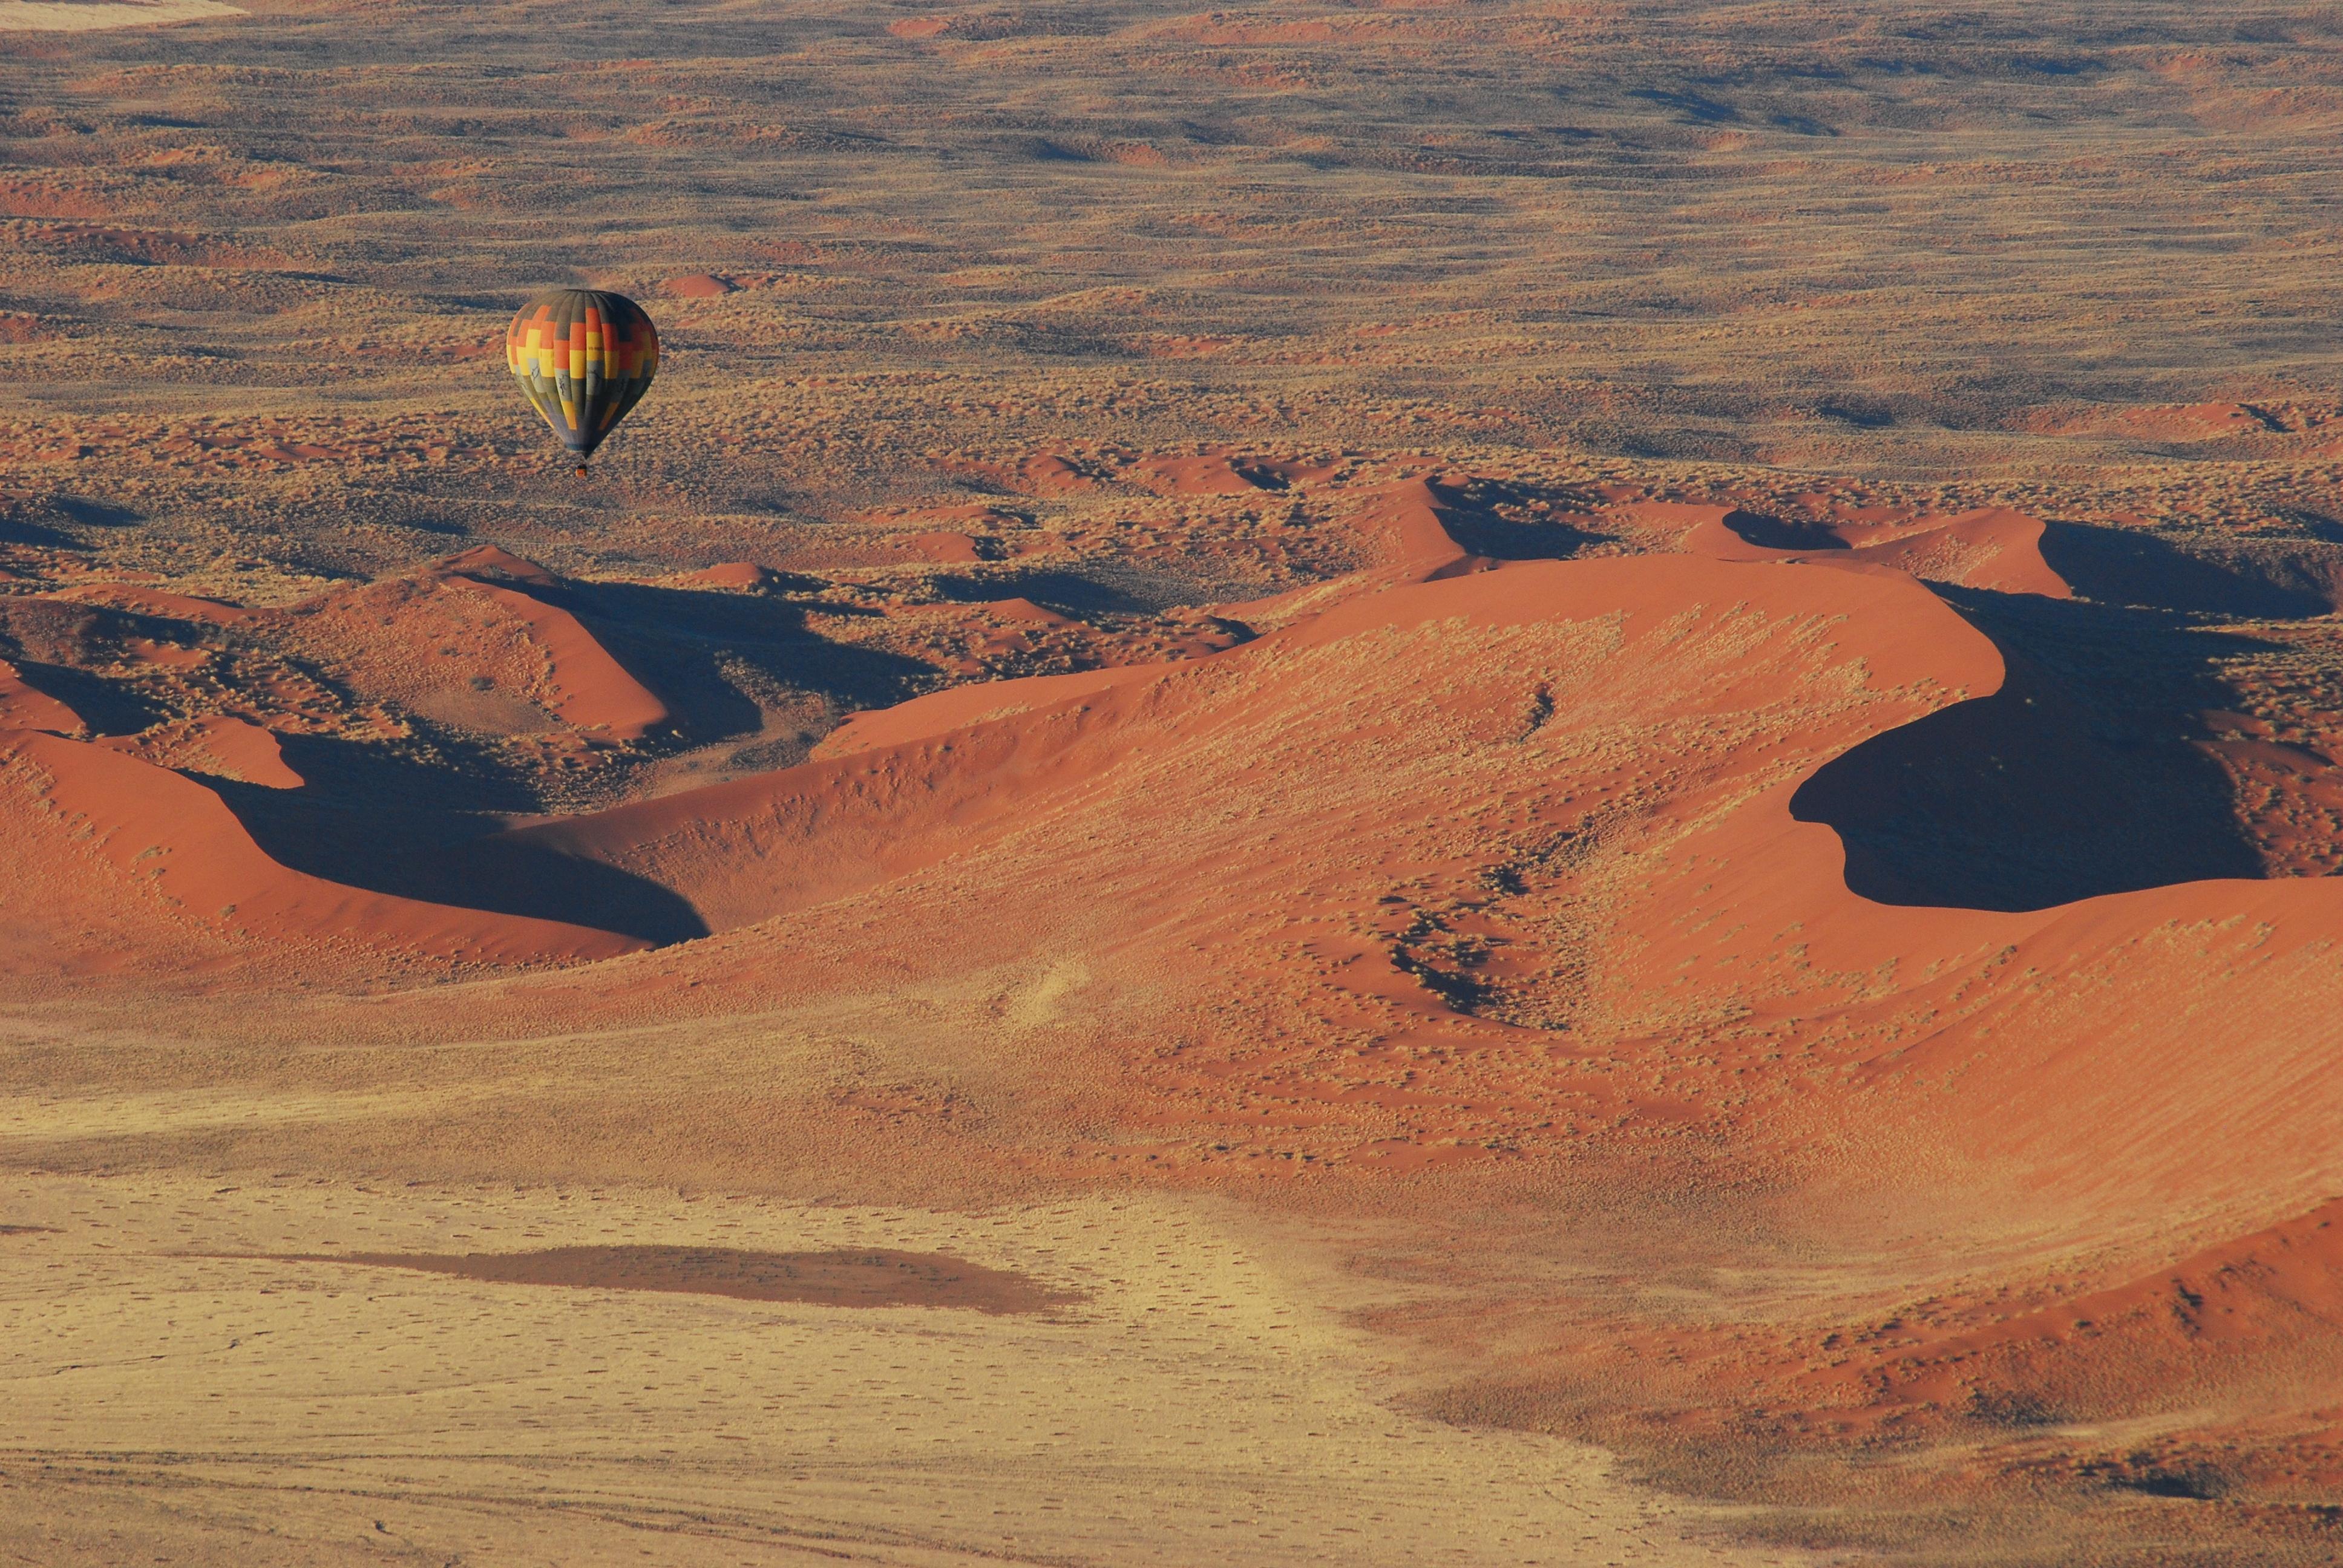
x: 584, y: 357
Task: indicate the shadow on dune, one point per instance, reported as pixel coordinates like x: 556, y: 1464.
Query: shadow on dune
x: 106, y: 707
x: 518, y: 877
x: 389, y: 826
x: 1771, y: 533
x: 2127, y: 567
x: 1480, y: 529
x: 1075, y: 594
x: 56, y: 645
x: 91, y: 514
x: 690, y: 646
x: 372, y: 818
x: 2079, y: 777
x: 1106, y: 588
x: 17, y: 530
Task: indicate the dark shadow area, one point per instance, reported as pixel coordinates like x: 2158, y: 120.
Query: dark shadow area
x: 2126, y: 566
x: 2199, y: 1483
x: 518, y: 878
x: 678, y: 642
x: 1863, y: 413
x: 106, y: 707
x: 2077, y: 778
x: 1108, y: 591
x: 15, y: 528
x: 1478, y: 528
x: 1770, y: 533
x: 423, y: 821
x: 2317, y: 525
x: 2054, y: 65
x: 390, y: 827
x: 457, y: 775
x: 1696, y: 108
x: 93, y: 514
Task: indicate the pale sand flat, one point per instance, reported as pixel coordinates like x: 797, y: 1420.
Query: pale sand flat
x: 70, y: 16
x: 1190, y: 1408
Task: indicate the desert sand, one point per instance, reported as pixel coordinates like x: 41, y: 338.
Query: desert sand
x: 1479, y: 783
x: 91, y: 15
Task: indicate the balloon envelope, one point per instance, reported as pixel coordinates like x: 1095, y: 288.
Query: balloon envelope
x: 584, y: 357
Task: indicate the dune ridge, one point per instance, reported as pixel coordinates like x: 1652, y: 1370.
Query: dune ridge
x: 26, y: 707
x: 1995, y: 547
x: 173, y: 840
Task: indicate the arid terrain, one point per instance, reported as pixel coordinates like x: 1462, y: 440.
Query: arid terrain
x: 1451, y: 783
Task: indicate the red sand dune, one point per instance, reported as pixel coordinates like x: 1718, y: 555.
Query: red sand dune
x: 1049, y: 475
x: 1615, y: 737
x: 589, y: 690
x: 1413, y: 532
x: 945, y: 548
x: 103, y: 825
x: 1025, y: 609
x: 1424, y: 739
x: 23, y: 707
x: 730, y: 575
x: 2192, y: 1353
x: 2174, y: 422
x: 999, y: 776
x: 489, y: 563
x: 218, y: 744
x: 482, y: 613
x: 1210, y: 474
x: 1468, y: 863
x: 1995, y: 547
x: 144, y: 600
x: 948, y: 776
x: 2165, y: 1341
x: 1039, y: 474
x: 938, y: 775
x: 743, y: 851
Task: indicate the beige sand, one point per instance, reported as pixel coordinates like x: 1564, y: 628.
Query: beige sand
x: 1191, y: 1410
x: 70, y: 16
